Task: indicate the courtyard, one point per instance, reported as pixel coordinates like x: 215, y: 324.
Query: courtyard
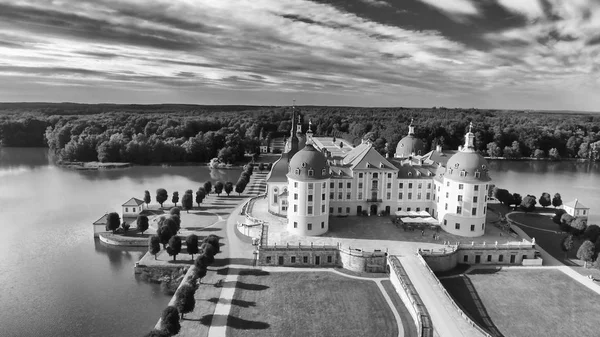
x: 372, y: 232
x: 513, y: 302
x: 308, y: 304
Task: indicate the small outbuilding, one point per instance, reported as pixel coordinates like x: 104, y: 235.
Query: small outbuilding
x: 100, y: 225
x: 133, y: 207
x: 576, y: 209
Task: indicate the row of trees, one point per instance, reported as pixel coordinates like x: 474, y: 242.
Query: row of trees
x: 153, y: 134
x: 527, y: 203
x: 185, y: 300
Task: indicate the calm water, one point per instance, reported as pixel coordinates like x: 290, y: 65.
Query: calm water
x: 572, y: 180
x: 55, y: 279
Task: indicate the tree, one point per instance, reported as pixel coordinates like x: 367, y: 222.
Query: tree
x: 184, y: 298
x: 188, y: 201
x: 228, y: 187
x: 553, y: 153
x: 208, y: 249
x: 200, y: 270
x: 175, y: 211
x: 125, y: 226
x: 490, y: 191
x: 493, y: 150
x: 161, y: 196
x: 169, y: 320
x: 174, y: 246
x: 566, y: 219
x: 113, y: 221
x: 557, y: 200
x: 142, y: 223
x: 539, y: 153
x: 240, y: 187
x: 528, y: 203
x: 567, y: 244
x: 586, y: 252
x: 207, y: 187
x: 164, y: 234
x: 592, y: 232
x: 545, y: 200
x: 219, y: 188
x: 174, y: 223
x: 191, y: 243
x: 557, y: 216
x: 517, y: 199
x: 502, y: 195
x: 200, y: 194
x: 154, y: 245
x: 147, y: 199
x: 578, y: 226
x: 175, y: 198
x: 213, y: 240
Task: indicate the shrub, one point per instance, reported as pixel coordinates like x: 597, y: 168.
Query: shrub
x: 154, y: 245
x: 174, y: 246
x: 170, y: 320
x: 142, y: 223
x: 191, y: 243
x: 175, y: 211
x: 184, y: 298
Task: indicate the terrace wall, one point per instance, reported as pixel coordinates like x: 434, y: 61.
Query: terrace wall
x: 410, y: 297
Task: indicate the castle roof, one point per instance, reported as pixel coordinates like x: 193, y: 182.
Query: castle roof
x: 279, y: 170
x: 133, y: 202
x: 575, y: 204
x: 308, y: 164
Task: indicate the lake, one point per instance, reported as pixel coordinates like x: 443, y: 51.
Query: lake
x: 55, y: 279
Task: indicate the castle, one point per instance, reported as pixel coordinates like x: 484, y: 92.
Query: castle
x: 316, y: 178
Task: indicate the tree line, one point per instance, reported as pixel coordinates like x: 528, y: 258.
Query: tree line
x: 188, y: 133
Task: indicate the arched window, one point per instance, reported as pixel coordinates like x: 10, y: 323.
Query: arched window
x: 311, y: 173
x: 324, y: 172
x: 275, y: 190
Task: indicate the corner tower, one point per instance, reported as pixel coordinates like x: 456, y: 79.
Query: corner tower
x: 308, y: 186
x: 462, y: 205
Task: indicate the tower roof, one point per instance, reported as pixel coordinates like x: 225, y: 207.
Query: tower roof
x: 308, y: 164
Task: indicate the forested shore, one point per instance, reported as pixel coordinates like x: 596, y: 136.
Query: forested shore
x: 150, y: 134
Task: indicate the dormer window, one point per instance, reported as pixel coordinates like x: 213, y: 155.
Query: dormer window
x: 381, y: 165
x: 298, y: 171
x: 410, y: 174
x: 463, y: 173
x: 450, y: 171
x: 483, y: 167
x: 477, y: 174
x: 311, y: 172
x: 456, y: 165
x: 368, y: 165
x: 303, y: 164
x: 323, y: 172
x: 418, y: 174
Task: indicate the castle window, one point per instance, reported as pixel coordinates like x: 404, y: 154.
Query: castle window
x: 360, y: 185
x: 331, y: 185
x: 484, y: 209
x: 410, y: 174
x: 381, y: 165
x: 445, y: 222
x: 323, y: 196
x: 389, y: 195
x: 460, y: 198
x: 310, y: 210
x: 323, y: 171
x: 360, y: 175
x: 474, y: 199
x: 401, y: 185
x: 341, y: 185
x: 348, y: 185
x: 347, y: 210
x: 448, y: 183
x: 400, y: 195
x: 482, y: 226
x: 329, y: 259
x: 420, y: 186
x: 419, y: 196
x: 324, y: 185
x: 476, y: 188
x: 389, y: 176
x: 297, y: 171
x: 322, y: 224
x: 295, y: 184
x: 310, y: 186
x: 500, y: 258
x: 389, y: 185
x: 399, y: 209
x: 348, y: 195
x: 477, y: 174
x: 339, y: 210
x: 303, y: 164
x: 295, y: 224
x: 408, y: 209
x: 331, y: 210
x: 466, y: 258
x: 322, y: 208
x: 472, y: 228
x: 126, y: 209
x: 268, y: 259
x: 375, y: 175
x: 309, y: 226
x: 310, y: 198
x: 295, y: 196
x: 330, y: 195
x: 409, y: 196
x: 461, y: 186
x: 458, y: 209
x: 489, y: 258
x: 360, y: 196
x: 427, y: 209
x: 463, y: 173
x: 293, y: 259
x: 409, y: 185
x: 446, y: 207
x: 447, y: 194
x: 340, y: 196
x: 457, y: 226
x: 305, y: 259
x: 428, y: 196
x: 295, y: 208
x: 474, y: 211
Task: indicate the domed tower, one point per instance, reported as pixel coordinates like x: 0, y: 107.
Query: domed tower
x: 463, y: 194
x: 409, y: 145
x: 308, y: 186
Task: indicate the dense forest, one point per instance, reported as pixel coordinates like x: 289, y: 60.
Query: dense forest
x: 145, y: 134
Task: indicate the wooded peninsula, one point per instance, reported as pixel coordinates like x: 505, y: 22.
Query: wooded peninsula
x: 173, y: 133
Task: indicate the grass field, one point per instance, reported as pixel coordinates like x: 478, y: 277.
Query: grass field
x: 527, y: 302
x: 309, y: 304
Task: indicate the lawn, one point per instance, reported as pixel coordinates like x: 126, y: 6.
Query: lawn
x: 309, y: 304
x: 548, y: 235
x: 527, y: 302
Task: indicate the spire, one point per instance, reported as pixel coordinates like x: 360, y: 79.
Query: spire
x: 299, y: 124
x: 293, y: 138
x: 411, y: 128
x: 309, y: 126
x: 469, y: 140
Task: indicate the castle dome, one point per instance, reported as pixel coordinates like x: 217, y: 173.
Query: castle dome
x: 467, y: 165
x: 409, y: 145
x: 308, y: 164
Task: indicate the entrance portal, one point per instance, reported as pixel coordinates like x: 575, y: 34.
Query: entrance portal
x: 373, y: 209
x: 358, y: 210
x: 317, y: 260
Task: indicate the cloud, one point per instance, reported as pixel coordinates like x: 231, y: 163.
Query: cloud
x: 377, y: 3
x: 529, y: 8
x: 460, y: 7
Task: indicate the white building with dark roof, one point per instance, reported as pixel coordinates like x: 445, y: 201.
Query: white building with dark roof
x: 450, y: 186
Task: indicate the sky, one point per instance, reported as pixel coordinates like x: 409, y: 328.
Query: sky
x: 499, y: 54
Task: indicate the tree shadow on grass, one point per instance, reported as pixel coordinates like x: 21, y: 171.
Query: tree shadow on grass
x: 242, y: 271
x: 462, y: 290
x: 203, y: 229
x: 245, y: 286
x: 233, y: 322
x: 227, y: 261
x: 484, y: 271
x: 239, y: 303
